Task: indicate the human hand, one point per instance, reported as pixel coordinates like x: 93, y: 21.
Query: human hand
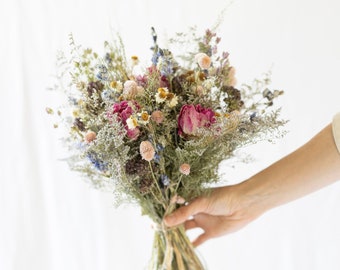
x: 227, y: 209
x: 224, y: 210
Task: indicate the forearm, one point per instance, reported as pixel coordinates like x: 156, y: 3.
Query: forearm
x: 309, y: 168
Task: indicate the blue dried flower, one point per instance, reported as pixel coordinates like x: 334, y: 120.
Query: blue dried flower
x: 102, y: 73
x: 166, y: 67
x: 155, y: 57
x: 108, y: 95
x: 157, y: 158
x: 98, y: 164
x: 252, y: 116
x: 80, y: 146
x: 72, y: 101
x: 159, y: 147
x: 165, y: 180
x: 108, y: 58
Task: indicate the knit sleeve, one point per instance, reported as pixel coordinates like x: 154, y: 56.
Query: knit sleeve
x: 336, y: 130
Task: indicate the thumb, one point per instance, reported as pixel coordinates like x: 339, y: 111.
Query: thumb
x: 182, y: 214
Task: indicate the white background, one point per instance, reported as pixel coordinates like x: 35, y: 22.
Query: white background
x: 50, y: 219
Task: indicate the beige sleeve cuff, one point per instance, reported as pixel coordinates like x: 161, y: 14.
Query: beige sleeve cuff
x: 336, y: 130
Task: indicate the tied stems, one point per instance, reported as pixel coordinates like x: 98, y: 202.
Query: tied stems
x: 172, y: 250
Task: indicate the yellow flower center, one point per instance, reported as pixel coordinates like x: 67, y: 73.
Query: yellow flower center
x: 144, y: 116
x: 134, y: 121
x: 162, y: 93
x: 113, y: 84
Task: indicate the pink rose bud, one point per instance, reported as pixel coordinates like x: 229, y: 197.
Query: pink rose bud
x: 90, y: 136
x: 185, y: 168
x: 157, y: 116
x: 192, y: 117
x: 146, y: 150
x: 203, y: 60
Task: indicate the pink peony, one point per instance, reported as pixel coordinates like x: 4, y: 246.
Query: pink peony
x: 192, y: 117
x: 124, y: 110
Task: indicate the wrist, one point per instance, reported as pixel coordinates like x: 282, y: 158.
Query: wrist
x: 254, y: 197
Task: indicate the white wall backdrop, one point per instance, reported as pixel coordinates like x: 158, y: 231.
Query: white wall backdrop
x: 52, y: 220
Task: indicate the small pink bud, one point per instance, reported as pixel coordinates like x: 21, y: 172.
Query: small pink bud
x: 90, y: 136
x: 185, y: 168
x: 157, y: 116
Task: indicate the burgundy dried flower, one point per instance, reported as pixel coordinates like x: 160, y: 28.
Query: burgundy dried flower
x: 124, y: 110
x: 94, y: 86
x: 79, y: 124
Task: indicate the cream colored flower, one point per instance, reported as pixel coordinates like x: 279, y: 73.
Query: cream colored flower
x: 146, y: 150
x: 173, y: 101
x: 162, y: 94
x: 116, y: 85
x: 132, y: 122
x: 75, y: 113
x: 134, y: 60
x: 119, y: 86
x: 143, y: 117
x: 209, y: 83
